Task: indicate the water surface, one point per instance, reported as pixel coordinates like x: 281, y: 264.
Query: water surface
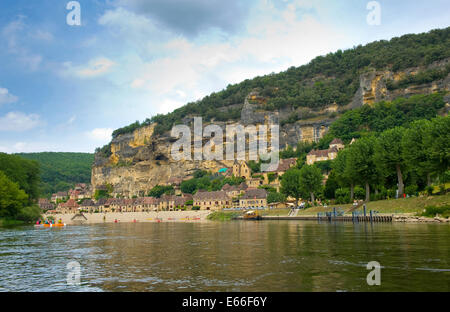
x: 230, y: 256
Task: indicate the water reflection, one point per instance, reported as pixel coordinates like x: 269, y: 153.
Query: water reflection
x: 232, y: 256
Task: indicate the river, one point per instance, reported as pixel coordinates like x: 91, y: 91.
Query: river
x: 229, y: 256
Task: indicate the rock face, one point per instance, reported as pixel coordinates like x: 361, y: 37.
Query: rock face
x: 141, y: 160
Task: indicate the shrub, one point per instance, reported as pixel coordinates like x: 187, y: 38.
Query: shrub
x: 196, y: 208
x: 29, y: 214
x: 411, y: 190
x: 429, y: 190
x: 360, y: 193
x: 432, y: 211
x: 391, y: 193
x: 342, y: 196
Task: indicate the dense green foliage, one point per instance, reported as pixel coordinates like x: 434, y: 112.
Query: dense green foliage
x: 23, y: 172
x: 208, y: 182
x: 411, y: 156
x: 160, y: 190
x: 433, y: 211
x: 310, y: 181
x: 223, y: 216
x: 274, y: 197
x: 386, y: 115
x: 425, y: 76
x: 19, y: 180
x: 329, y: 79
x: 61, y: 171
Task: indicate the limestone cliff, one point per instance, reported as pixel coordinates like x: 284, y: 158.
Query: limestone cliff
x: 141, y: 160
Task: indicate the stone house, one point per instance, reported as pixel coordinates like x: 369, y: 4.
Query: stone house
x: 212, y: 200
x: 254, y: 198
x: 172, y: 202
x: 235, y: 190
x: 59, y: 196
x: 71, y: 206
x: 45, y: 204
x: 241, y: 169
x: 338, y: 144
x: 255, y: 182
x: 283, y: 166
x: 323, y: 155
x: 88, y: 205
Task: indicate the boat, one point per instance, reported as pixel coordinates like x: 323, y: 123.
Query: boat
x: 252, y: 215
x: 50, y: 225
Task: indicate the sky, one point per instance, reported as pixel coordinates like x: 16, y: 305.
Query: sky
x: 65, y: 87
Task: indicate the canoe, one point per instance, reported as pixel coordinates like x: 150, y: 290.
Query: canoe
x: 50, y: 225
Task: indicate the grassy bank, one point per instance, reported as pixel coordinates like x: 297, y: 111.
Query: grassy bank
x: 223, y: 216
x: 413, y: 205
x: 4, y: 222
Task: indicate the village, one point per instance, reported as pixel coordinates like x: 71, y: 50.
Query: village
x: 249, y: 195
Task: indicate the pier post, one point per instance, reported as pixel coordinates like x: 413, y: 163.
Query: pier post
x: 371, y: 216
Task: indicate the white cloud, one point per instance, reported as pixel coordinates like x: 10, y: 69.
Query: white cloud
x: 43, y: 35
x: 71, y: 120
x: 6, y: 97
x: 19, y: 122
x: 95, y: 67
x: 100, y: 134
x: 14, y: 35
x: 171, y: 66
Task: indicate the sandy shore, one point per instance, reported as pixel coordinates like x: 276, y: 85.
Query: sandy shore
x: 127, y: 217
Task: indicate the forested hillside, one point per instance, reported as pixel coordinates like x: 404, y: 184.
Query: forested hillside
x: 60, y: 171
x: 19, y: 188
x: 326, y: 80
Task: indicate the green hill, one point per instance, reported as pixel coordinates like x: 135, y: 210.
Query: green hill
x: 326, y: 80
x: 60, y: 171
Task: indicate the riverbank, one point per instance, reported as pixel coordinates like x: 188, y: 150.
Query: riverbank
x: 4, y: 223
x: 129, y: 217
x: 403, y: 210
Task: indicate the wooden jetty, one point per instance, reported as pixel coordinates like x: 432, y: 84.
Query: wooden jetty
x: 355, y: 219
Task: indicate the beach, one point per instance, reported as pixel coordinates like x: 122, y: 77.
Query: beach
x: 129, y: 217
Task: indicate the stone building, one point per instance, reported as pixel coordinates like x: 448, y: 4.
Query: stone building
x: 45, y: 204
x: 323, y: 155
x: 71, y: 206
x: 212, y: 200
x: 241, y: 169
x: 234, y: 191
x: 254, y: 198
x: 88, y: 205
x: 338, y: 144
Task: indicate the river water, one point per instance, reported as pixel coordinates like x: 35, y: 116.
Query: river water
x: 230, y: 256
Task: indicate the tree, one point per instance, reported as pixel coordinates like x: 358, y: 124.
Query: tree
x: 310, y: 181
x: 389, y: 155
x: 440, y: 144
x: 22, y: 171
x: 274, y: 197
x: 331, y: 186
x: 290, y: 184
x: 189, y: 186
x: 159, y: 190
x: 416, y: 147
x: 343, y: 174
x: 360, y: 163
x: 12, y: 198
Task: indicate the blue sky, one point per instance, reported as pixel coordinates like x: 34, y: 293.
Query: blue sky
x: 65, y: 88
